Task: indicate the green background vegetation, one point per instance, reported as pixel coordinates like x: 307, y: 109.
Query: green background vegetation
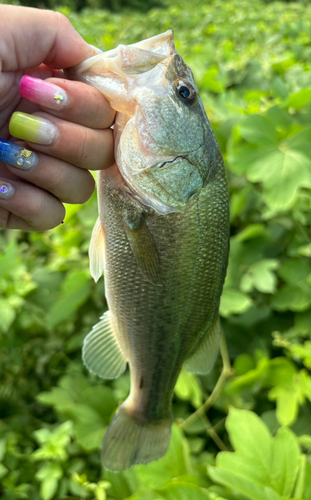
x: 252, y: 63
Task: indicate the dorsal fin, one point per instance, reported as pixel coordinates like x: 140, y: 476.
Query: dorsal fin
x: 97, y: 250
x: 101, y: 352
x: 203, y: 359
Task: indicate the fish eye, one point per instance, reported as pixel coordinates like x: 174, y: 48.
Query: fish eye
x: 186, y: 92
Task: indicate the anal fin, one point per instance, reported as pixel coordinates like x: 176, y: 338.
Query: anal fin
x: 101, y: 352
x: 202, y: 361
x: 97, y: 250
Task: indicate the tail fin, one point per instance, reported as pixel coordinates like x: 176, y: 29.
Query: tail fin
x: 130, y: 441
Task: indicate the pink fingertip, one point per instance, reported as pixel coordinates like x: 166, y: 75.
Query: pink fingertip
x: 43, y: 93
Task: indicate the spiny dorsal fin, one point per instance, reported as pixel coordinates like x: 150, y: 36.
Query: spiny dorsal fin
x: 144, y: 250
x: 97, y: 250
x: 203, y: 359
x: 101, y: 352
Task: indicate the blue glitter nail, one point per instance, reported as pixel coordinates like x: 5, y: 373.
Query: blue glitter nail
x: 17, y: 156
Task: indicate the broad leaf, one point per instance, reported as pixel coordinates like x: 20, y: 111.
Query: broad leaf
x: 285, y: 461
x: 233, y: 302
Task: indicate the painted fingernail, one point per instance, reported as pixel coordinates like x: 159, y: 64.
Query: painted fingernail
x: 17, y: 156
x: 41, y: 92
x: 6, y: 190
x: 32, y: 128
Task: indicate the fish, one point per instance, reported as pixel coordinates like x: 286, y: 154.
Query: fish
x: 162, y: 240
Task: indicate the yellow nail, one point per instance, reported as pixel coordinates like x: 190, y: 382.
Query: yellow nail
x: 32, y: 128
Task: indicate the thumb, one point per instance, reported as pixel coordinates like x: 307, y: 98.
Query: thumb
x: 30, y: 37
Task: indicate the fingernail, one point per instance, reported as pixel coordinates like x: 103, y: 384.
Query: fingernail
x: 6, y: 190
x: 41, y: 92
x: 99, y: 51
x: 17, y: 156
x: 32, y: 128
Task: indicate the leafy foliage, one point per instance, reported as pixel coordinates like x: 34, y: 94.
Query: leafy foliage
x: 251, y: 61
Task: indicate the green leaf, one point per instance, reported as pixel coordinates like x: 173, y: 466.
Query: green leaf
x: 145, y: 495
x: 175, y: 463
x: 299, y: 99
x: 49, y: 474
x: 49, y: 470
x: 294, y: 270
x: 179, y: 490
x: 233, y: 302
x: 3, y: 470
x: 48, y: 488
x: 281, y: 168
x: 262, y: 467
x: 278, y: 88
x: 248, y: 379
x: 2, y: 449
x: 282, y: 171
x: 211, y: 82
x: 75, y: 291
x: 285, y: 461
x: 57, y: 397
x: 302, y: 352
x: 237, y: 483
x: 251, y: 231
x: 292, y: 298
x: 251, y: 438
x: 7, y: 315
x: 189, y: 389
x: 288, y: 400
x: 260, y: 276
x: 89, y: 427
x: 258, y: 129
x: 301, y: 479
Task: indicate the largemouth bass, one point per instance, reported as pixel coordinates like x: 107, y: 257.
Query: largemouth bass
x: 161, y: 238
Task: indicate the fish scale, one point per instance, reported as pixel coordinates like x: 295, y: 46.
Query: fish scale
x: 161, y: 238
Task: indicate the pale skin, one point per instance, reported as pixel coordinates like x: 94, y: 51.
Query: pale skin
x: 36, y: 43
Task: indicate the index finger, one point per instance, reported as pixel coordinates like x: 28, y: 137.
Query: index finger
x: 31, y: 36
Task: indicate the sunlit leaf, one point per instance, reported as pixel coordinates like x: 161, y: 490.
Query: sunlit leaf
x: 234, y: 302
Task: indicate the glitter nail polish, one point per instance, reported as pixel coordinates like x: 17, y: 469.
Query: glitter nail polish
x: 17, y: 156
x: 44, y: 93
x: 6, y: 190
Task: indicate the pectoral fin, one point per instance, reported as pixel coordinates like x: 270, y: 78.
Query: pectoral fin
x: 203, y: 359
x: 144, y: 250
x: 97, y: 250
x: 101, y: 352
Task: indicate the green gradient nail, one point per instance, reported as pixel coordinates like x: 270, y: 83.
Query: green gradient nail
x: 32, y: 128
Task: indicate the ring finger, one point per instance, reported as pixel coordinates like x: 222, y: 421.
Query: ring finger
x: 65, y: 181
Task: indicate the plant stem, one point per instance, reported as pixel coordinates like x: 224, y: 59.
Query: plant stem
x: 225, y: 374
x: 211, y: 431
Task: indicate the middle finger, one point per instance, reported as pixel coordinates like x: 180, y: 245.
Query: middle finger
x: 72, y: 101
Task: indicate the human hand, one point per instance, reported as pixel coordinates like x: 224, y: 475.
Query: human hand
x: 65, y: 128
